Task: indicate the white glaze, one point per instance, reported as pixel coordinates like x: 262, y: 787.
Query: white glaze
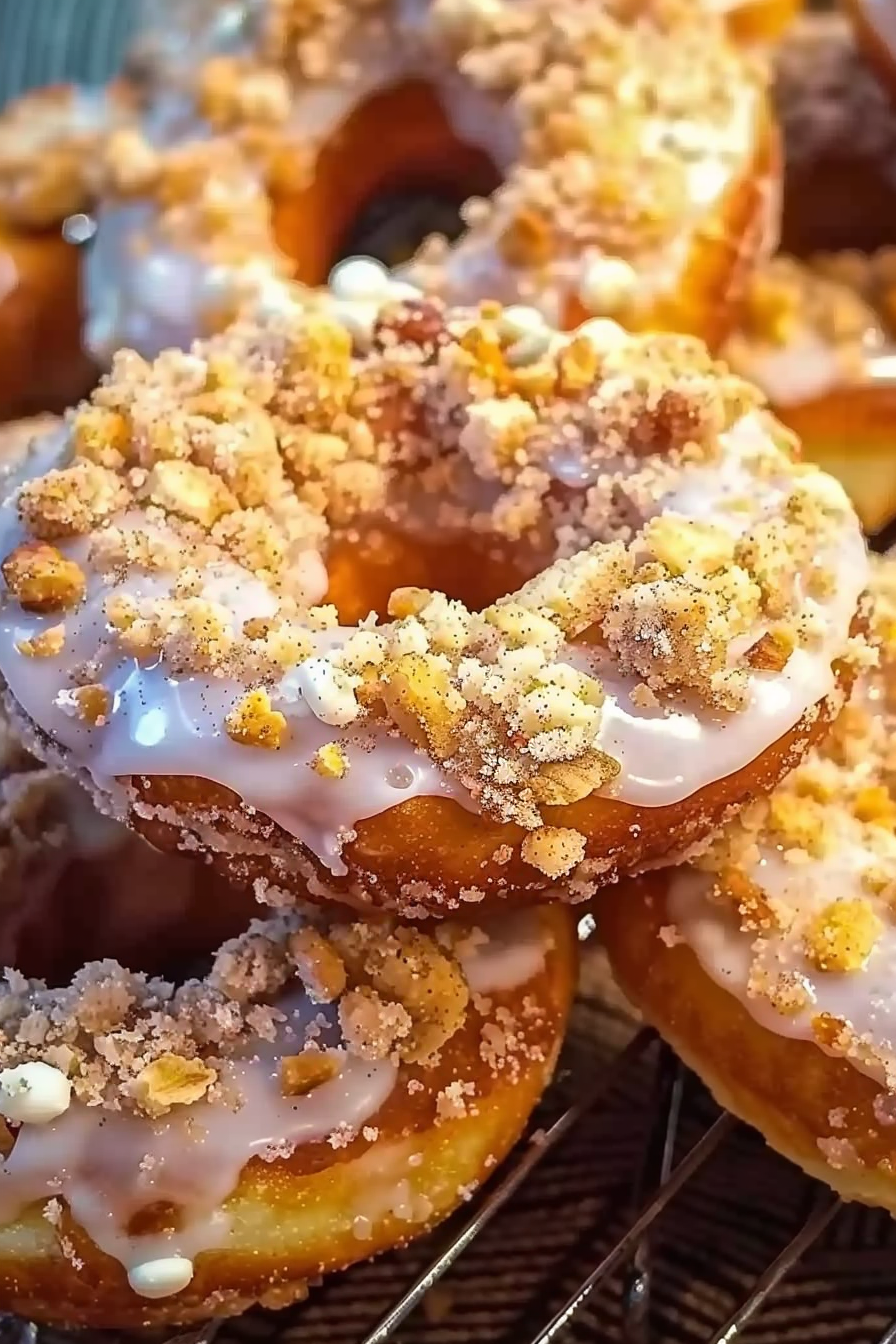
x: 168, y: 725
x: 140, y: 292
x: 864, y: 999
x: 109, y: 1165
x: 667, y: 755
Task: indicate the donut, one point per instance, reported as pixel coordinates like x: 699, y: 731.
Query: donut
x: 678, y: 634
x: 759, y: 21
x: 817, y: 338
x: 178, y: 1143
x: 50, y: 143
x: 601, y: 175
x: 766, y: 962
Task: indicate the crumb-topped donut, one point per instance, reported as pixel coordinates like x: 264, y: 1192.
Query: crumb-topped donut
x: 817, y: 337
x: 328, y: 1090
x: 768, y: 963
x: 50, y: 159
x: 166, y: 626
x: 636, y: 159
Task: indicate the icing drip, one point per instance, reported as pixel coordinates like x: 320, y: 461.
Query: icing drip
x: 109, y: 1165
x: 168, y: 725
x: 864, y: 999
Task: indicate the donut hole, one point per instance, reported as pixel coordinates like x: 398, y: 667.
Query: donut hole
x: 398, y: 144
x: 364, y: 569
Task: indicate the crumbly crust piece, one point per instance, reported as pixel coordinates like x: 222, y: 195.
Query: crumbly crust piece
x: 836, y: 813
x: 252, y: 448
x: 130, y: 1041
x: 51, y: 146
x: 595, y: 96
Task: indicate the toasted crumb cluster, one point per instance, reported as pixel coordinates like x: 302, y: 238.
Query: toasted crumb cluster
x: 239, y: 459
x: 126, y: 1040
x: 829, y: 303
x: 829, y: 834
x: 51, y: 143
x: 596, y: 96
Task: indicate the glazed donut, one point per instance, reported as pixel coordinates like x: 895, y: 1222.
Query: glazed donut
x: 817, y: 338
x: 636, y: 159
x: 759, y: 21
x: 767, y: 963
x: 328, y: 1090
x: 50, y: 147
x: 682, y: 638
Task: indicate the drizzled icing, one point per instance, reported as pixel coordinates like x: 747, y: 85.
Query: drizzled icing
x: 864, y: 1000
x: 163, y: 724
x: 109, y: 1165
x: 146, y: 290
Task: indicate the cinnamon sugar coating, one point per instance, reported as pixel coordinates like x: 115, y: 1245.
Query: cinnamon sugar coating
x: 238, y: 462
x: 131, y: 1041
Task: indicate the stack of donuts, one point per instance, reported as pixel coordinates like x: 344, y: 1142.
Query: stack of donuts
x: 361, y: 628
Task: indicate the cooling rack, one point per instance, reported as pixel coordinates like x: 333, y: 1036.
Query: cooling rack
x: 641, y: 1107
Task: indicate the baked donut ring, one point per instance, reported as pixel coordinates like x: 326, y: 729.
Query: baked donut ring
x: 327, y: 1091
x: 818, y: 339
x: 50, y: 142
x: 768, y: 964
x: 683, y: 639
x: 629, y: 187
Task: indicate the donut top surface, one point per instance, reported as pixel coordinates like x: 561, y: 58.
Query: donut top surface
x: 792, y: 907
x: 165, y: 590
x: 124, y: 1094
x: 616, y: 128
x: 811, y: 327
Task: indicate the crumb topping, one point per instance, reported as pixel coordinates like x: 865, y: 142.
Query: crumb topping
x: 839, y: 306
x: 51, y: 143
x: 605, y: 178
x: 810, y: 872
x: 130, y: 1041
x: 201, y: 489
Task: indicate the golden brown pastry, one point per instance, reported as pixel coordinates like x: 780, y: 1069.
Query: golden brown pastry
x: 187, y: 602
x: 767, y: 962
